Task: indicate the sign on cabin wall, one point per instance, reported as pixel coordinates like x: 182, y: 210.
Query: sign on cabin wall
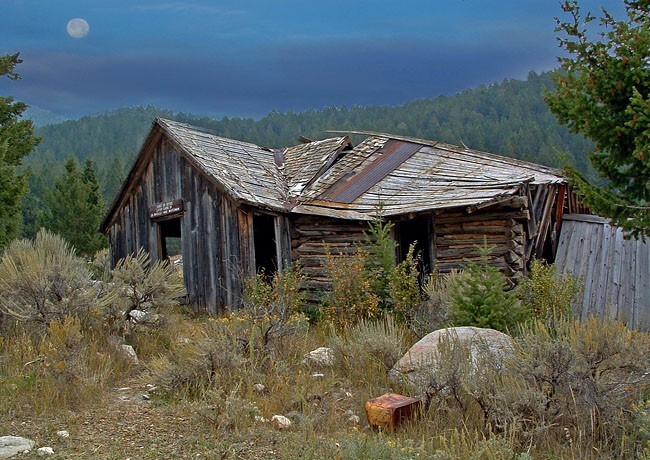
x: 166, y: 208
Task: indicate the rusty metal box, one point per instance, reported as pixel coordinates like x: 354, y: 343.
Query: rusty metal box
x: 390, y: 409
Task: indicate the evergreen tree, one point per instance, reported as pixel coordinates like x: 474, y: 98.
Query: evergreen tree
x: 75, y: 208
x: 603, y: 92
x: 16, y: 140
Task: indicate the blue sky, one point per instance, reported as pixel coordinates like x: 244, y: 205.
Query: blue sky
x: 248, y: 57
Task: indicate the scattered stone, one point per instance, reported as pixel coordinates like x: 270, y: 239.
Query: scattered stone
x: 63, y: 434
x: 43, y: 451
x: 130, y: 353
x: 422, y: 360
x: 146, y: 396
x: 137, y: 316
x: 151, y: 388
x: 260, y: 419
x: 317, y: 375
x: 354, y: 419
x: 322, y: 356
x: 259, y: 387
x: 295, y: 416
x: 281, y: 422
x: 14, y: 445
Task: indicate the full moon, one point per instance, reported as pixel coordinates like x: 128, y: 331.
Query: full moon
x: 77, y: 28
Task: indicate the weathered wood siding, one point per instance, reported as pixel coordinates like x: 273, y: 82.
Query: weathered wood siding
x: 217, y: 233
x: 516, y: 230
x: 460, y: 238
x: 312, y: 237
x: 615, y: 271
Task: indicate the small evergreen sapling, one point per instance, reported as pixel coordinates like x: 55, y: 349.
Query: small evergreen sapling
x: 483, y: 298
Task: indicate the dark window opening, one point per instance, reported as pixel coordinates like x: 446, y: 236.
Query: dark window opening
x: 170, y: 238
x: 416, y: 231
x: 266, y: 259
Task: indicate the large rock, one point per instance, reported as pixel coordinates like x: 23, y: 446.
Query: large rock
x: 423, y: 359
x: 14, y: 445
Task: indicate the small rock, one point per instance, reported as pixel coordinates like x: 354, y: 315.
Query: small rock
x: 130, y: 353
x: 43, y: 451
x: 322, y: 356
x: 260, y: 419
x: 259, y: 387
x: 63, y: 434
x: 281, y: 422
x: 317, y: 375
x: 137, y: 316
x: 295, y: 416
x: 151, y: 388
x: 354, y: 419
x: 14, y: 445
x: 146, y: 396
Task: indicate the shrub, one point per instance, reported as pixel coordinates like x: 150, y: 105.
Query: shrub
x: 271, y: 310
x: 192, y: 367
x: 380, y: 247
x: 368, y: 347
x: 63, y: 368
x: 548, y: 295
x: 138, y: 292
x: 43, y: 280
x: 431, y: 312
x: 589, y: 375
x: 575, y: 384
x: 404, y: 286
x: 351, y: 297
x: 483, y: 298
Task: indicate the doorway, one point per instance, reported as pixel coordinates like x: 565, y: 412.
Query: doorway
x: 418, y: 231
x: 170, y: 238
x: 266, y: 254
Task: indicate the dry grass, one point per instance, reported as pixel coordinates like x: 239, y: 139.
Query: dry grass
x: 215, y: 413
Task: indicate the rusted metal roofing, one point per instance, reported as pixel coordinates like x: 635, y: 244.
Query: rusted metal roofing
x: 435, y: 176
x: 615, y: 271
x: 392, y: 154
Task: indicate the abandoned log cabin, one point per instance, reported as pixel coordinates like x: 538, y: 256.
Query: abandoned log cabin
x: 231, y: 208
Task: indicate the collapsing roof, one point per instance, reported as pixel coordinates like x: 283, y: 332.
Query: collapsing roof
x: 332, y: 178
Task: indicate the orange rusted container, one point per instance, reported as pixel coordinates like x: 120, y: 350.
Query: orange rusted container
x: 390, y: 409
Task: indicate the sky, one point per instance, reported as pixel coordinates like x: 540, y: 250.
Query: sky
x: 246, y: 58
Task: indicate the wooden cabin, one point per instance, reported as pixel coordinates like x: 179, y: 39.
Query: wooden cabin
x: 231, y: 208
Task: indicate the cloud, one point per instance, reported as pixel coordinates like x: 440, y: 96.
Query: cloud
x: 296, y: 77
x: 190, y: 7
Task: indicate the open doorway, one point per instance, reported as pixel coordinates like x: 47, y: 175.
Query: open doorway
x: 170, y: 239
x: 418, y: 231
x: 266, y: 254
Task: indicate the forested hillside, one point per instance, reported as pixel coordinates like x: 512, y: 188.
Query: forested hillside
x: 509, y: 118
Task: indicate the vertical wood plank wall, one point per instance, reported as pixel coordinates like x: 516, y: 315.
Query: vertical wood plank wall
x: 216, y: 232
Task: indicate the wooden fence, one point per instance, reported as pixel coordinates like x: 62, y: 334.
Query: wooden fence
x: 615, y: 270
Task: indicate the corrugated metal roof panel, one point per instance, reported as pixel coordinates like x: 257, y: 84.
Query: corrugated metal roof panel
x: 389, y: 157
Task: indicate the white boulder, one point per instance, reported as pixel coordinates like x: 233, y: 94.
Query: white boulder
x: 130, y: 353
x: 14, y: 445
x: 423, y: 359
x: 280, y: 422
x: 321, y: 356
x: 43, y: 451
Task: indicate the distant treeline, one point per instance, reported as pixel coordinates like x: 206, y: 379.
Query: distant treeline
x: 508, y: 118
